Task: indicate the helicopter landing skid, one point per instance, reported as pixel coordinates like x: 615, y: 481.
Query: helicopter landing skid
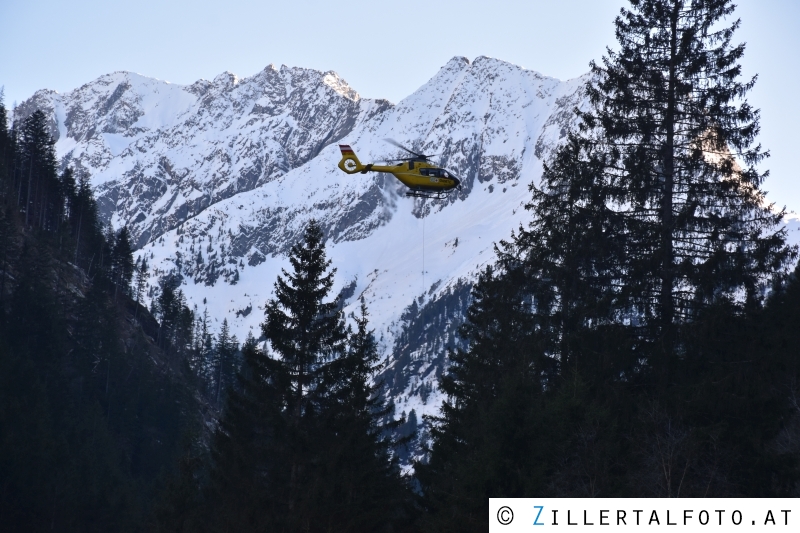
x: 430, y: 196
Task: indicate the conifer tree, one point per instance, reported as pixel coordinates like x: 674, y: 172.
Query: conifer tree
x: 248, y: 473
x: 7, y: 252
x: 569, y: 254
x: 672, y: 102
x: 6, y: 150
x: 224, y: 364
x: 176, y: 319
x: 362, y: 488
x: 69, y: 191
x: 299, y: 448
x: 305, y: 332
x: 302, y: 329
x: 122, y: 267
x: 140, y: 282
x: 6, y: 228
x: 38, y: 191
x: 85, y: 227
x: 204, y: 346
x: 664, y: 172
x: 487, y: 440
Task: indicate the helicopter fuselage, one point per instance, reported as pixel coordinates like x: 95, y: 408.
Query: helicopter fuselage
x: 417, y: 175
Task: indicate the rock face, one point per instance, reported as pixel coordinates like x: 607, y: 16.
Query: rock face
x: 159, y: 154
x: 216, y: 181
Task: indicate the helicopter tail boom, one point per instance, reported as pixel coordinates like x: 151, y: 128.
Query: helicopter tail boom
x: 349, y: 162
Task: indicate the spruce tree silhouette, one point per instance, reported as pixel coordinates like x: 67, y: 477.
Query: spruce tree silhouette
x: 299, y: 447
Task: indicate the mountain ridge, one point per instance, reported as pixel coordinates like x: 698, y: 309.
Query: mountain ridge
x: 121, y: 129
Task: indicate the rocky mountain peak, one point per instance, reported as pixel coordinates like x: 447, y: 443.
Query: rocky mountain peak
x: 159, y: 153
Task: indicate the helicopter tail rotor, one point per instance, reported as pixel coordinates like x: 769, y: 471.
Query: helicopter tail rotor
x: 349, y: 162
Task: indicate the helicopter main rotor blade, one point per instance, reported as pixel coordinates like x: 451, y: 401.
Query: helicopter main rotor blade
x: 426, y: 158
x: 397, y: 144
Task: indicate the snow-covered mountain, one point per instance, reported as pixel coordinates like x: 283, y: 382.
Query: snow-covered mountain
x: 160, y: 153
x: 216, y: 180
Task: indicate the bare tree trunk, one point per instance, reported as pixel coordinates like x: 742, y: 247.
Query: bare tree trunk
x: 667, y: 275
x: 28, y: 201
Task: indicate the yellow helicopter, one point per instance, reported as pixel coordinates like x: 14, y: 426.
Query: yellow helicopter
x: 423, y: 178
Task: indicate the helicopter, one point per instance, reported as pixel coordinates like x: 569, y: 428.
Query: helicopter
x: 422, y: 177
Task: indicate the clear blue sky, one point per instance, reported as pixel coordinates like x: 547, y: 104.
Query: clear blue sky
x: 382, y: 48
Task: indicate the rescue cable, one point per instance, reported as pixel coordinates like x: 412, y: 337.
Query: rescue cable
x: 423, y: 248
